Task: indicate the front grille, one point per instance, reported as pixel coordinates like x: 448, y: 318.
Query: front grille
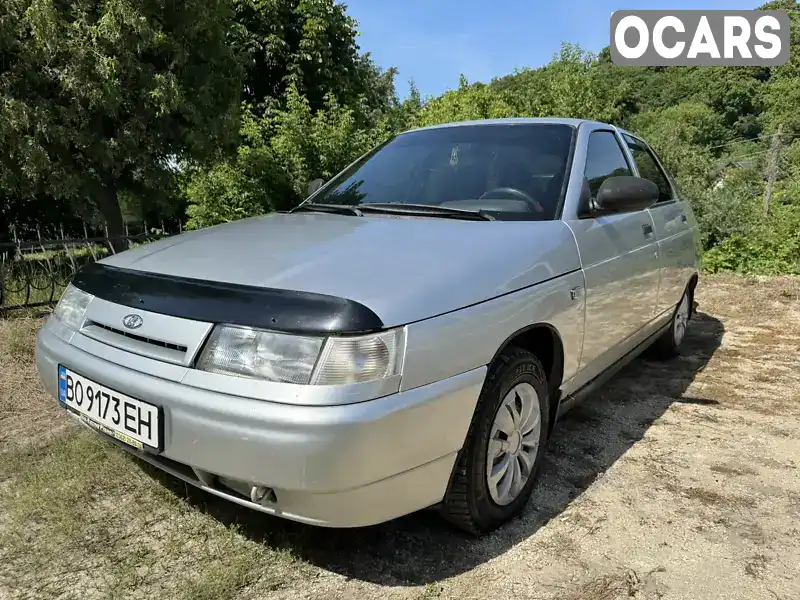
x: 140, y: 338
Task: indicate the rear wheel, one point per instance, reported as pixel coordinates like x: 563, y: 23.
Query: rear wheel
x: 496, y: 470
x: 669, y: 344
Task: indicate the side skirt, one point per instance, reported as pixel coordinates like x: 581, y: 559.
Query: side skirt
x: 571, y: 401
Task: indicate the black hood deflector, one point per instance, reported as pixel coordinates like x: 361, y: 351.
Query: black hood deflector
x: 217, y: 302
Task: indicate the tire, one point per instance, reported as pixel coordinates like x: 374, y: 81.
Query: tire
x: 669, y: 344
x: 471, y: 502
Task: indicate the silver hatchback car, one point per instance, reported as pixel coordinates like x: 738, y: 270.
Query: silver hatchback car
x: 405, y: 338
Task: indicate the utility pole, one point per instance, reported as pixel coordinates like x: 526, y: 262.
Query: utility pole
x: 772, y: 168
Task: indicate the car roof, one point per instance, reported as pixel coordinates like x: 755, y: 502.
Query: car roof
x: 512, y: 121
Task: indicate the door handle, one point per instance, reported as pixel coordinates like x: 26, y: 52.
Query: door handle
x: 684, y: 218
x: 647, y: 230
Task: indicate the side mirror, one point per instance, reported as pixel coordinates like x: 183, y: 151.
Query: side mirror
x: 625, y: 193
x: 315, y: 185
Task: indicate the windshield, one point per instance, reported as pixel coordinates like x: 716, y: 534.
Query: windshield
x: 516, y: 171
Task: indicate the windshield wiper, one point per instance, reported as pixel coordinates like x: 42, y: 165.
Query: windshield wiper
x: 337, y: 209
x: 426, y: 210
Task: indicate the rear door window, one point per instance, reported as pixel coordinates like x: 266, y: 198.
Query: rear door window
x: 649, y: 168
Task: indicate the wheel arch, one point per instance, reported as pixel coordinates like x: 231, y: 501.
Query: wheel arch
x: 543, y: 340
x: 691, y: 286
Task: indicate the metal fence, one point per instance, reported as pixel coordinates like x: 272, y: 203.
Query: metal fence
x: 33, y: 274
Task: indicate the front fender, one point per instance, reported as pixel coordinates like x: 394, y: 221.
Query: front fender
x: 465, y: 339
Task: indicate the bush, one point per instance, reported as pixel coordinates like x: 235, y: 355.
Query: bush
x: 282, y: 151
x: 771, y: 248
x: 222, y: 194
x: 732, y: 210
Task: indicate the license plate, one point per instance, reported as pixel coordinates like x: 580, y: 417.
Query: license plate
x: 131, y: 421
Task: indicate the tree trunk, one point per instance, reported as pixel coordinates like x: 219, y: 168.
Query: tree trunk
x: 108, y: 205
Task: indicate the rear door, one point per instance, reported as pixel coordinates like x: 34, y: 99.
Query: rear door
x: 618, y: 253
x: 672, y: 223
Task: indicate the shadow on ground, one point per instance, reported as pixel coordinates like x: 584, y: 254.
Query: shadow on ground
x: 421, y: 549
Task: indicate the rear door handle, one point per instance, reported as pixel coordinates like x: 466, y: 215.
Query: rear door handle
x: 647, y: 230
x: 684, y: 218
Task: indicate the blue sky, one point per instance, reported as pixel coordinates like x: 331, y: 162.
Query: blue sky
x: 434, y: 41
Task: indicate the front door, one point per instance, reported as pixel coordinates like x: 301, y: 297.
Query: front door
x: 619, y: 255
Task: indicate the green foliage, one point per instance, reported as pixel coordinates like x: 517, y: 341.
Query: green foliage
x: 781, y: 99
x: 787, y: 190
x: 256, y: 98
x: 313, y: 103
x: 770, y: 248
x: 792, y: 68
x: 98, y: 97
x: 467, y: 103
x: 572, y: 85
x: 222, y: 194
x: 704, y: 122
x: 310, y: 145
x: 734, y: 209
x: 682, y: 135
x: 310, y: 44
x: 284, y: 150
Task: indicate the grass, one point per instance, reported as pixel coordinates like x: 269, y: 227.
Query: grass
x: 99, y: 526
x: 20, y: 339
x: 41, y: 277
x: 37, y: 288
x: 82, y: 519
x: 32, y: 278
x: 94, y: 251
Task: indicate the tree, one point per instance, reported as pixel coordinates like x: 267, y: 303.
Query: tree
x: 791, y: 68
x: 788, y: 190
x: 281, y: 153
x: 98, y: 99
x: 312, y: 103
x: 468, y: 102
x: 573, y: 85
x: 310, y: 44
x: 781, y: 94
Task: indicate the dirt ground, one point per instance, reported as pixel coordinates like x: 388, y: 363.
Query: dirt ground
x: 679, y: 480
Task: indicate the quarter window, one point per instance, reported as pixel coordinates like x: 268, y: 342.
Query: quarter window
x: 604, y: 159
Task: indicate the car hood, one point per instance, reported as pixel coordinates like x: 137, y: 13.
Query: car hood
x: 404, y: 269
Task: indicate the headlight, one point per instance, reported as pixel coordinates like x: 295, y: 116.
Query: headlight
x: 72, y: 307
x: 248, y: 352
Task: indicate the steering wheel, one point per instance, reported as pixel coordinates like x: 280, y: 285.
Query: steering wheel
x: 517, y: 194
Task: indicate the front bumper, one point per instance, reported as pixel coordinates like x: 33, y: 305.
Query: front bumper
x: 338, y: 466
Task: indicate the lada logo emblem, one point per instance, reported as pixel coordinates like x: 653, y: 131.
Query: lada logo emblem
x: 132, y: 321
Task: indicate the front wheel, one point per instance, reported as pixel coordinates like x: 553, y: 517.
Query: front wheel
x: 496, y: 470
